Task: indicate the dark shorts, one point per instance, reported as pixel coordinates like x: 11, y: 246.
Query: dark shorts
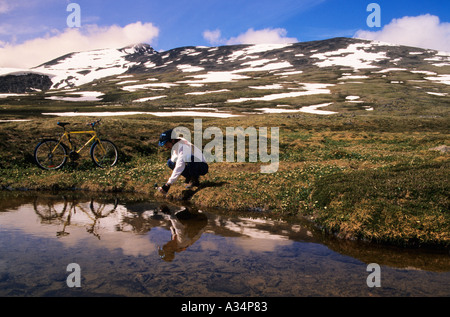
x: 192, y: 169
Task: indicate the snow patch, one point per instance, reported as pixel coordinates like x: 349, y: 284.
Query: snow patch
x: 149, y: 98
x: 441, y: 94
x: 311, y: 89
x: 267, y: 67
x: 11, y: 95
x: 206, y: 92
x: 353, y: 56
x: 442, y: 79
x: 273, y: 86
x: 425, y: 72
x: 387, y: 70
x: 314, y: 109
x: 85, y: 67
x: 145, y: 86
x: 256, y: 48
x: 215, y: 77
x: 131, y: 113
x: 189, y: 68
x: 127, y: 82
x: 259, y: 62
x: 347, y: 76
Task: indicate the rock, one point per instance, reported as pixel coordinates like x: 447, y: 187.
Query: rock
x: 24, y: 83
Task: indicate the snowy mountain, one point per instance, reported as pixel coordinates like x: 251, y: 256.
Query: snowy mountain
x: 81, y: 68
x: 76, y: 69
x: 236, y: 74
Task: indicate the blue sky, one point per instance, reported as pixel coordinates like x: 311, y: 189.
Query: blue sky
x: 176, y: 23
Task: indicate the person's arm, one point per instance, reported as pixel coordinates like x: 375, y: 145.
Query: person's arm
x: 180, y: 164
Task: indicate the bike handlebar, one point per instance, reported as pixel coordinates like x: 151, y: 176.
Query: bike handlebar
x: 93, y: 124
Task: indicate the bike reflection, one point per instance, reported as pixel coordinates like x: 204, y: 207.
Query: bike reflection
x: 101, y: 217
x: 52, y: 210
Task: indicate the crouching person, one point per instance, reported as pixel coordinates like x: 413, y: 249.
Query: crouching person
x: 186, y: 160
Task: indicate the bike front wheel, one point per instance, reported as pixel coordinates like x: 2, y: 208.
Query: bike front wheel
x: 104, y: 153
x: 50, y: 154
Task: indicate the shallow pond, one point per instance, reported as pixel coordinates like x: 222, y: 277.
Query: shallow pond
x: 131, y: 246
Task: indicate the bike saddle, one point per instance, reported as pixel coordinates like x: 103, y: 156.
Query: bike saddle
x: 63, y: 124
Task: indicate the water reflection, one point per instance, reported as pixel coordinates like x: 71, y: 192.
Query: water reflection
x: 238, y: 254
x: 109, y: 218
x: 72, y: 211
x: 104, y: 217
x: 186, y: 228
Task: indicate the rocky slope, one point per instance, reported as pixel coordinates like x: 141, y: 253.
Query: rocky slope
x: 339, y: 70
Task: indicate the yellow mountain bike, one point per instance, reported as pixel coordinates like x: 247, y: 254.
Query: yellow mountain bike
x: 52, y: 154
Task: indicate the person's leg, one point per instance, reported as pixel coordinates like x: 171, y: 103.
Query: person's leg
x: 195, y: 170
x: 203, y: 168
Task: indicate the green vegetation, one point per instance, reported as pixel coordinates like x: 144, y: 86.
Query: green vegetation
x: 358, y: 175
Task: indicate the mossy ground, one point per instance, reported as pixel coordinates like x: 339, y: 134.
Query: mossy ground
x: 370, y: 177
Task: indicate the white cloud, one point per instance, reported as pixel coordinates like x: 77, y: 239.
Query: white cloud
x: 40, y: 50
x: 251, y: 36
x: 213, y: 37
x: 425, y: 31
x: 265, y: 36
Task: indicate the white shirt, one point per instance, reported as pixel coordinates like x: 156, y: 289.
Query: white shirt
x: 181, y: 154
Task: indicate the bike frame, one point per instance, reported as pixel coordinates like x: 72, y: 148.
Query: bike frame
x: 67, y: 134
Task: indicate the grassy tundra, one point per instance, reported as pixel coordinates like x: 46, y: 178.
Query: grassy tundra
x: 370, y: 177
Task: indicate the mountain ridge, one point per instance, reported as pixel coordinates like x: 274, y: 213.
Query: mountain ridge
x: 142, y: 58
x: 352, y: 73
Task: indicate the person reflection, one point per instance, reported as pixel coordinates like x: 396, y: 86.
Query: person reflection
x: 186, y: 228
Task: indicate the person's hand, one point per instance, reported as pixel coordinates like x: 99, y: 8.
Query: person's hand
x: 164, y: 189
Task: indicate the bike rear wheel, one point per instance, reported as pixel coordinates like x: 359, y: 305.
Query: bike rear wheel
x: 49, y: 154
x: 104, y: 153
